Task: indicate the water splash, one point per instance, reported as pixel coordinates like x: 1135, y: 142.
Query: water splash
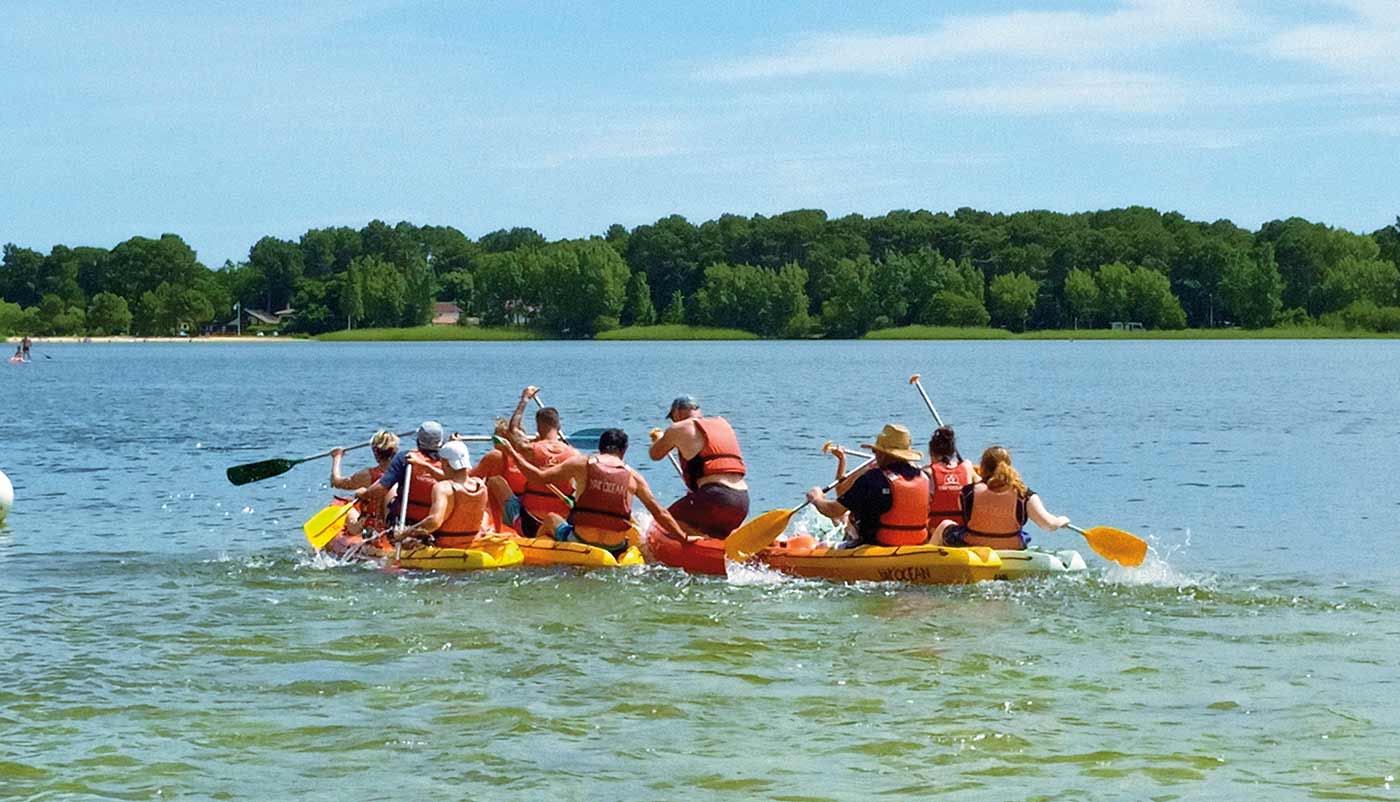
x: 1157, y: 570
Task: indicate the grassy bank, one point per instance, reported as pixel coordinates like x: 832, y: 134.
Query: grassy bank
x: 1281, y: 333
x: 430, y: 334
x: 676, y: 332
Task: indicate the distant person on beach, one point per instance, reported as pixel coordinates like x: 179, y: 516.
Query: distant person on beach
x: 24, y: 346
x: 997, y: 508
x: 888, y: 501
x: 367, y: 514
x: 713, y: 466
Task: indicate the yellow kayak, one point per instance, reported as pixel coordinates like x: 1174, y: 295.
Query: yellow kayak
x: 486, y: 552
x: 924, y: 565
x: 548, y: 551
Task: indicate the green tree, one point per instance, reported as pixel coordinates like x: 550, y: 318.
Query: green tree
x: 1082, y: 295
x: 508, y: 287
x: 850, y: 308
x: 419, y: 291
x: 674, y: 313
x: 22, y: 279
x: 350, y: 303
x: 586, y: 287
x: 949, y: 308
x: 510, y: 240
x: 1151, y: 300
x: 382, y: 289
x: 1114, y: 300
x: 457, y: 287
x: 771, y: 303
x: 1252, y: 289
x: 1011, y: 296
x: 1355, y: 279
x: 108, y: 313
x: 638, y: 309
x: 279, y: 262
x: 140, y: 264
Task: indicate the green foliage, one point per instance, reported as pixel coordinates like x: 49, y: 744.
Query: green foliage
x: 950, y: 308
x: 1366, y: 316
x: 584, y: 288
x: 1010, y: 298
x: 674, y: 313
x: 431, y: 334
x: 11, y: 318
x: 638, y: 309
x: 1151, y: 301
x: 1082, y: 295
x: 1252, y: 289
x: 458, y: 286
x: 382, y: 289
x: 108, y: 314
x: 676, y: 332
x: 163, y: 311
x: 1354, y: 279
x: 771, y: 303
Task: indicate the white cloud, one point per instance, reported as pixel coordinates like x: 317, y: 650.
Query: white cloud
x: 1067, y: 36
x: 1367, y: 46
x: 1071, y: 92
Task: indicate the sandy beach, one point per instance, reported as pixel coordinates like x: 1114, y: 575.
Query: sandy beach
x: 130, y: 339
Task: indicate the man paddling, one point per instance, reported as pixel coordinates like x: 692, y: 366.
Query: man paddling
x: 602, y: 514
x: 545, y: 450
x: 458, y: 505
x: 889, y: 501
x: 427, y: 470
x: 718, y: 498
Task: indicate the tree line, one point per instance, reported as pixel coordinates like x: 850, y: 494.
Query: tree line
x: 795, y: 274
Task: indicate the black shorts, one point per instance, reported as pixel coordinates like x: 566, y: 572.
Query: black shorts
x: 714, y: 510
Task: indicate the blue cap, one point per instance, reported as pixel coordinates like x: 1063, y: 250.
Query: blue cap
x: 683, y: 402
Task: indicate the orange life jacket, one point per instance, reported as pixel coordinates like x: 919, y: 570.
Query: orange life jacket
x: 721, y: 453
x: 372, y: 513
x: 906, y: 521
x: 504, y: 467
x: 538, y: 499
x: 995, y: 518
x: 420, y: 492
x: 513, y: 476
x: 945, y: 492
x: 464, y: 515
x: 605, y: 504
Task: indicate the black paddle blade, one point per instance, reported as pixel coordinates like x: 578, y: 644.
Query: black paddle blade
x: 256, y: 471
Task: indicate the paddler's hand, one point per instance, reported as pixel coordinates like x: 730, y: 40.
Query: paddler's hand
x: 529, y: 392
x: 337, y: 452
x: 837, y: 452
x: 1062, y: 522
x: 816, y: 494
x: 655, y: 434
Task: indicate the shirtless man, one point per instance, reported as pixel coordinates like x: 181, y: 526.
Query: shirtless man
x: 718, y: 501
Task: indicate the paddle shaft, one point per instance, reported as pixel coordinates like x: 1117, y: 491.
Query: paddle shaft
x: 914, y: 380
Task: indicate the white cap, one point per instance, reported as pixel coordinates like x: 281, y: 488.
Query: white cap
x: 455, y: 454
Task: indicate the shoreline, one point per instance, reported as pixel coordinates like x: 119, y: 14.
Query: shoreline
x: 124, y: 338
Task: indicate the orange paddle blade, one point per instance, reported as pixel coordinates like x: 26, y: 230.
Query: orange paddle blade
x: 322, y: 527
x: 1121, y: 547
x: 755, y: 535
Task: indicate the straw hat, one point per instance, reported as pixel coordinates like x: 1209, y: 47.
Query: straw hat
x: 894, y: 440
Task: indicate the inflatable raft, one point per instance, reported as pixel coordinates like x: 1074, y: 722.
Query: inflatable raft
x: 548, y: 551
x: 694, y: 555
x: 486, y: 553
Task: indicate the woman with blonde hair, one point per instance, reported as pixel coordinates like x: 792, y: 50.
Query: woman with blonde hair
x: 384, y: 445
x: 997, y: 507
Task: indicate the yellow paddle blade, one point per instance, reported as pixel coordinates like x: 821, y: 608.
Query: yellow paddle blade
x: 1116, y: 545
x: 754, y: 536
x: 322, y: 527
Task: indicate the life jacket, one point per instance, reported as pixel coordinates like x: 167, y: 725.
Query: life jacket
x: 420, y: 493
x: 906, y: 521
x: 372, y: 513
x: 513, y: 476
x: 604, y: 507
x: 464, y: 515
x: 945, y: 491
x: 995, y: 518
x: 721, y: 453
x: 538, y: 499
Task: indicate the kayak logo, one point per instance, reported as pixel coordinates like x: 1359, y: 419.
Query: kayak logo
x: 913, y: 573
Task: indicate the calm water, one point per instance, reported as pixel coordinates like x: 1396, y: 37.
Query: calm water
x: 166, y: 634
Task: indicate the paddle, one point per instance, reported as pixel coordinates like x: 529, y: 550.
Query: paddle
x: 322, y: 527
x: 268, y: 468
x: 655, y: 435
x: 754, y: 536
x: 1112, y: 544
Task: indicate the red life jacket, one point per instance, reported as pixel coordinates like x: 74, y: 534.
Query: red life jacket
x: 606, y: 500
x: 945, y: 492
x: 420, y: 492
x: 514, y: 477
x: 538, y: 499
x: 995, y: 518
x: 906, y: 521
x: 372, y: 514
x: 721, y: 453
x: 464, y: 515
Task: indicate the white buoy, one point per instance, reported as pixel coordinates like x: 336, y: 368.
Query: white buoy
x: 7, y: 494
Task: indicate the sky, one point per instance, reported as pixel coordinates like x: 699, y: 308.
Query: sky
x: 227, y: 121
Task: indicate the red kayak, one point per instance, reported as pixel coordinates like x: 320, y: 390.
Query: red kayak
x: 696, y: 556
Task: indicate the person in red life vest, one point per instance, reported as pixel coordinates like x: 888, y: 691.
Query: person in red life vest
x: 948, y: 474
x: 545, y: 450
x: 505, y: 484
x: 888, y: 499
x: 425, y: 474
x: 602, y: 514
x: 997, y: 507
x: 384, y: 445
x: 459, y: 503
x: 718, y: 498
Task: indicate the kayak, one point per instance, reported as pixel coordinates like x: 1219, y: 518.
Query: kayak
x: 693, y: 555
x: 486, y: 553
x: 548, y: 551
x: 16, y: 360
x: 803, y: 555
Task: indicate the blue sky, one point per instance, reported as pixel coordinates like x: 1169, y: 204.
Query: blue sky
x: 225, y: 121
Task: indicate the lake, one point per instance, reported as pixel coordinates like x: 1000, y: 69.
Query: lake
x: 168, y: 635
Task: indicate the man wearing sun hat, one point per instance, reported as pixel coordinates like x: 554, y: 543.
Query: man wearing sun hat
x: 888, y: 501
x: 712, y: 466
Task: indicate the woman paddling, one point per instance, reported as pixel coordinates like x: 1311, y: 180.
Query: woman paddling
x: 997, y: 508
x: 948, y: 474
x: 367, y: 513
